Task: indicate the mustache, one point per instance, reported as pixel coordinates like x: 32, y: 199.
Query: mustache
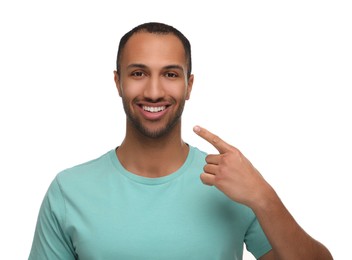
x: 151, y: 100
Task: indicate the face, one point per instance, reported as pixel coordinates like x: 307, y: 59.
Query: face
x: 153, y: 83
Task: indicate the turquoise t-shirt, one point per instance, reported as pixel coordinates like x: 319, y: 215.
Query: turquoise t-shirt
x: 100, y: 211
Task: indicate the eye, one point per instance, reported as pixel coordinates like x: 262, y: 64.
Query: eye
x: 138, y: 74
x: 171, y: 75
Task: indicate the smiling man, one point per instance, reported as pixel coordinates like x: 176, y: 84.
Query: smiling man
x: 155, y: 196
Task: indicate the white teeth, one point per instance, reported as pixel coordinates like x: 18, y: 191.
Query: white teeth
x: 154, y: 109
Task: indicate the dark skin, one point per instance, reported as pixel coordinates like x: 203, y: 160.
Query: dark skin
x: 232, y: 173
x: 153, y: 84
x: 153, y: 74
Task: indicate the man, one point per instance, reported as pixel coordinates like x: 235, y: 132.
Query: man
x: 146, y: 198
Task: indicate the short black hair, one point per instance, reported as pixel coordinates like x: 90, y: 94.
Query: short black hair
x: 156, y: 28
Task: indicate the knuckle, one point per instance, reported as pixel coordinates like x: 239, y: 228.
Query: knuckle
x: 234, y: 150
x: 226, y: 159
x: 215, y: 138
x: 205, y: 179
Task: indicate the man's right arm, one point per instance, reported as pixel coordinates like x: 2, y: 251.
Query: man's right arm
x: 50, y: 240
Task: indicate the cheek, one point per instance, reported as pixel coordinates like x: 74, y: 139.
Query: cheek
x: 179, y: 95
x: 177, y: 90
x: 130, y: 91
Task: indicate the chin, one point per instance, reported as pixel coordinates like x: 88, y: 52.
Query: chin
x: 155, y: 133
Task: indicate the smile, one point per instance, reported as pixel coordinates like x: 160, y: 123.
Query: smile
x: 154, y: 109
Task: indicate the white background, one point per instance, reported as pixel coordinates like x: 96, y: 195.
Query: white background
x: 271, y: 77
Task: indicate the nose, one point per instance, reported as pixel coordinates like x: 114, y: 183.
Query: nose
x: 154, y: 89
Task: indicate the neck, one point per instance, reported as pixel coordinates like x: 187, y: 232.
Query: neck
x: 152, y: 157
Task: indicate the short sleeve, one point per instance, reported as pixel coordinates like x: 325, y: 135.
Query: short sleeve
x: 256, y: 241
x: 50, y: 240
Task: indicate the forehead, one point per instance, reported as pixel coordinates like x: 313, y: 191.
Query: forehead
x: 152, y: 48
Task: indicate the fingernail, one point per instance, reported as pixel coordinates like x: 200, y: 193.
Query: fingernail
x: 196, y: 129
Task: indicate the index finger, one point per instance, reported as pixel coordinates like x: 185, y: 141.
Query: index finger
x: 213, y: 139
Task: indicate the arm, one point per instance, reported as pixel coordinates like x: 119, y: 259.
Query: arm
x: 233, y: 174
x: 288, y: 239
x: 50, y: 240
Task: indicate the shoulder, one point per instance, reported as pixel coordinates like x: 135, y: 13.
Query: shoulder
x: 87, y: 171
x: 197, y: 154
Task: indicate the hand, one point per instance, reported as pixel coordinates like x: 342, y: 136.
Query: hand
x: 235, y: 176
x: 231, y: 172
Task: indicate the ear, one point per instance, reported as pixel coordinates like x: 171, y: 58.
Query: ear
x: 189, y: 86
x: 117, y: 82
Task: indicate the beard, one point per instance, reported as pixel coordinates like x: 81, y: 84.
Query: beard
x: 160, y: 132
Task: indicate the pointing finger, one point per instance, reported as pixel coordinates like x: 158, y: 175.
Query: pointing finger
x: 216, y: 141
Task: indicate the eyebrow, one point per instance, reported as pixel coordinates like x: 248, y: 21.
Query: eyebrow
x: 174, y: 66
x: 143, y: 66
x: 137, y: 65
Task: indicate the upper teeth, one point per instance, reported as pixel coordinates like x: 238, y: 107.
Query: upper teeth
x: 154, y: 109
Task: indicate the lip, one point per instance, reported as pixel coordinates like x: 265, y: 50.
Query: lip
x: 153, y: 116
